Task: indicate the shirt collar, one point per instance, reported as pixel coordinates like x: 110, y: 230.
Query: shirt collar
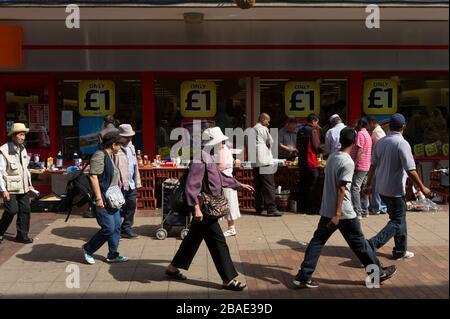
x: 394, y: 133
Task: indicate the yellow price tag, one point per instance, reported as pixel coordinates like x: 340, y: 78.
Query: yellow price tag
x: 301, y: 98
x: 380, y: 96
x: 97, y: 97
x: 431, y: 149
x: 419, y: 150
x: 198, y: 99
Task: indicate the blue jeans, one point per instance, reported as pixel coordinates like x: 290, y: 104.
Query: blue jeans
x: 360, y: 200
x: 352, y: 233
x: 109, y: 221
x: 129, y: 209
x: 396, y: 227
x: 376, y: 204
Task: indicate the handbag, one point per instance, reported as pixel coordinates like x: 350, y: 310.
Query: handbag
x: 213, y: 206
x: 114, y: 197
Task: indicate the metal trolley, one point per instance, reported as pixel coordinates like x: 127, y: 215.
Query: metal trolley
x: 169, y: 217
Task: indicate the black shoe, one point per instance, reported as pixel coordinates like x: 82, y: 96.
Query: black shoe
x: 387, y: 272
x: 308, y: 284
x: 130, y: 235
x: 24, y: 240
x: 275, y: 213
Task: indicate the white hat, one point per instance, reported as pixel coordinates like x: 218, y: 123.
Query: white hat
x: 215, y: 135
x: 18, y: 128
x: 126, y: 130
x: 334, y: 116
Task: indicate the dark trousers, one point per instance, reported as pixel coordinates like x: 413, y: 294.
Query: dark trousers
x: 396, y: 227
x: 264, y: 191
x: 19, y: 205
x: 109, y: 221
x: 352, y: 233
x: 210, y: 231
x: 309, y: 179
x: 128, y: 210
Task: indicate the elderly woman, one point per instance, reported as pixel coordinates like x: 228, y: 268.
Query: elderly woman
x: 204, y: 176
x: 104, y: 174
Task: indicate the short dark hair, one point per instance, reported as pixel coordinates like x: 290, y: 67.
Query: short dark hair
x: 371, y: 119
x: 111, y: 138
x: 312, y: 117
x: 363, y: 122
x: 291, y: 120
x: 347, y: 137
x: 109, y: 119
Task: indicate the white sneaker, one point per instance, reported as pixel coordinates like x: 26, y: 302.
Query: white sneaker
x: 408, y: 255
x: 89, y: 259
x: 230, y: 232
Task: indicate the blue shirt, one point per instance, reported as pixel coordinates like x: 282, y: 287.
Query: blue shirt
x: 132, y: 162
x: 392, y: 157
x: 332, y: 138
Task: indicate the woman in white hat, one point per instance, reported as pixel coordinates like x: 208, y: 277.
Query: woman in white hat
x: 15, y: 183
x: 204, y: 176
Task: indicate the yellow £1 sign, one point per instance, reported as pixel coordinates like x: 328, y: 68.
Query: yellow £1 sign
x: 198, y: 99
x: 97, y: 97
x: 380, y: 96
x: 301, y: 98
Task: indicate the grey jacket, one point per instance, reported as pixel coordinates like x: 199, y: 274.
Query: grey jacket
x: 121, y: 161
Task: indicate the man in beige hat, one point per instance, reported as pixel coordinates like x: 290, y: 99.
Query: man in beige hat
x: 15, y: 183
x: 130, y: 179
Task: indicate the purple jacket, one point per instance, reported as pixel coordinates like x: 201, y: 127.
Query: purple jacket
x: 195, y: 180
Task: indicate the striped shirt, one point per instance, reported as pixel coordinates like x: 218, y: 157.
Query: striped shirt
x: 363, y: 141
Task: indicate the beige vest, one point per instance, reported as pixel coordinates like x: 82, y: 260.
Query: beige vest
x: 16, y: 176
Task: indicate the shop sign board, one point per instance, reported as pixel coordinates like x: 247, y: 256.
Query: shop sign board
x: 38, y: 117
x: 198, y: 99
x: 380, y: 96
x: 97, y: 97
x: 302, y: 98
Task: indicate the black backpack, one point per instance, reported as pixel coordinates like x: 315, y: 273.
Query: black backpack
x: 78, y: 192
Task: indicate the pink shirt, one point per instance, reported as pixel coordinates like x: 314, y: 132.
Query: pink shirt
x: 363, y: 141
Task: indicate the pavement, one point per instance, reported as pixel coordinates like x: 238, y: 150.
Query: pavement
x: 267, y: 252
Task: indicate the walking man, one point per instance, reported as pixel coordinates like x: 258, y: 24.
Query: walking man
x: 15, y: 183
x: 264, y: 181
x: 308, y: 143
x: 130, y: 179
x: 337, y: 213
x: 392, y: 163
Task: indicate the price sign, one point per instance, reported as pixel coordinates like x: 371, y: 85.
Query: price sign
x: 380, y: 96
x: 97, y: 97
x: 198, y: 99
x: 301, y: 98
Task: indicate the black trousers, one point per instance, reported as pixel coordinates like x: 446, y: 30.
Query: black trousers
x: 264, y: 191
x: 210, y: 231
x: 18, y: 204
x: 308, y: 201
x: 128, y: 210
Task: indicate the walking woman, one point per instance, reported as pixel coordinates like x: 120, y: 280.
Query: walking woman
x: 204, y: 176
x: 104, y: 177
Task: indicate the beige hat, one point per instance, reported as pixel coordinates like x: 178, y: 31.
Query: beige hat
x: 18, y: 128
x: 215, y: 135
x: 126, y: 130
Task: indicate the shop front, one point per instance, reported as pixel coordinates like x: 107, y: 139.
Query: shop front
x: 161, y: 74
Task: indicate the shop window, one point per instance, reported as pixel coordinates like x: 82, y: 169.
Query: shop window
x: 220, y: 102
x: 29, y: 106
x: 84, y: 103
x: 425, y: 104
x: 281, y: 98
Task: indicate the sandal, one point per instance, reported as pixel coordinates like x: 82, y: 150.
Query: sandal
x: 230, y: 232
x: 235, y: 285
x: 176, y: 275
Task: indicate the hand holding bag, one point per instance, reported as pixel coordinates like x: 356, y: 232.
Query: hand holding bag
x: 213, y: 206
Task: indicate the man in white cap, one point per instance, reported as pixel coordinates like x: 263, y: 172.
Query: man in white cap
x: 126, y: 162
x: 332, y: 136
x: 15, y: 183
